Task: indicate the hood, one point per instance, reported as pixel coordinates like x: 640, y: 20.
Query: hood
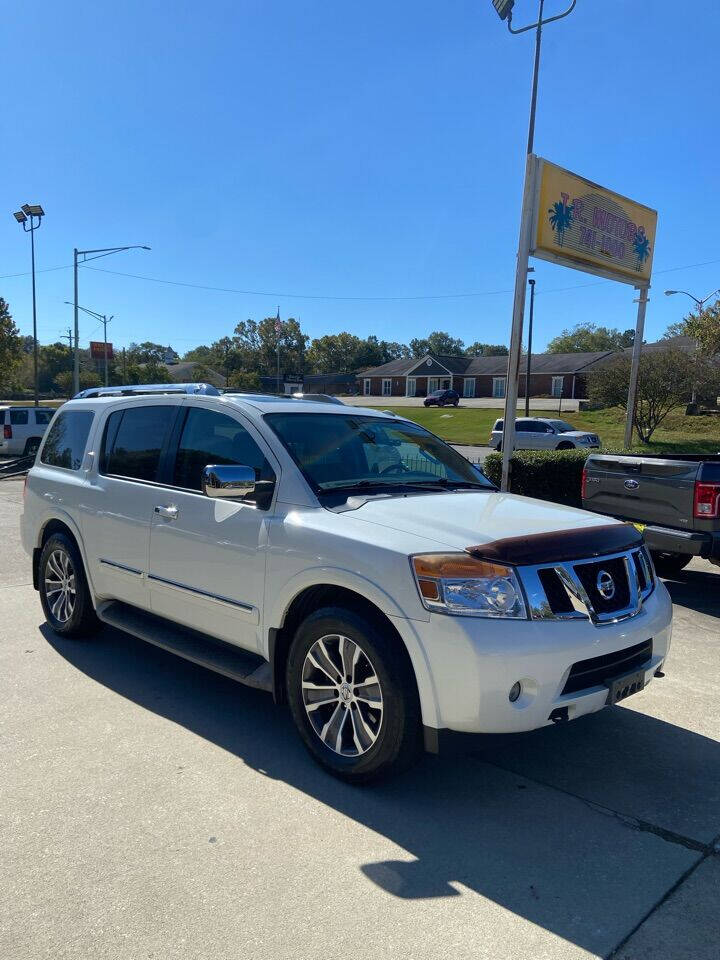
x: 460, y: 520
x: 577, y: 433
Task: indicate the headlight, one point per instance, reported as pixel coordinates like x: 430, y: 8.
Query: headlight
x: 585, y: 439
x: 459, y: 584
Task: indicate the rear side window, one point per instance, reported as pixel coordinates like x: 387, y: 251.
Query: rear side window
x: 18, y: 417
x: 66, y: 440
x: 208, y: 438
x: 43, y: 417
x: 498, y: 425
x: 134, y: 440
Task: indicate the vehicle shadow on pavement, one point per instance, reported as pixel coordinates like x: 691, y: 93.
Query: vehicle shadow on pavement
x: 515, y: 822
x: 697, y: 590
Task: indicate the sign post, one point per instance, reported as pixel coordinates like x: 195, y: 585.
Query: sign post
x: 521, y: 272
x: 576, y: 223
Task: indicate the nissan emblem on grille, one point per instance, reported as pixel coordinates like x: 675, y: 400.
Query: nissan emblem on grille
x: 605, y: 585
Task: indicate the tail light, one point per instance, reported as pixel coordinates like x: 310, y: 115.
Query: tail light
x: 706, y: 502
x: 583, y: 484
x: 7, y: 432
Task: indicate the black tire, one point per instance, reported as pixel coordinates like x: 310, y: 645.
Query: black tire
x: 456, y: 403
x: 565, y: 445
x: 31, y: 446
x: 670, y: 564
x: 59, y: 561
x: 396, y: 728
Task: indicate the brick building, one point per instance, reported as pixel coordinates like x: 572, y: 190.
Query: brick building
x: 551, y: 374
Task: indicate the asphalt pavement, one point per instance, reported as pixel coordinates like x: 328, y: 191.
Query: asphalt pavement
x: 151, y: 809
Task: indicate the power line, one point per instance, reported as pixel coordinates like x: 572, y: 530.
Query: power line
x: 307, y: 296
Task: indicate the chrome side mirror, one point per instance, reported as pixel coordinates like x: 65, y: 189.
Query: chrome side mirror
x: 228, y: 481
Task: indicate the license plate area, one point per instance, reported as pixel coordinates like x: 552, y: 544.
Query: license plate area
x: 623, y: 687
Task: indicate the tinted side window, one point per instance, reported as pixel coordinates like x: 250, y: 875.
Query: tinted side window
x: 498, y: 425
x: 43, y: 417
x: 66, y: 440
x: 134, y: 439
x: 212, y: 438
x: 19, y: 417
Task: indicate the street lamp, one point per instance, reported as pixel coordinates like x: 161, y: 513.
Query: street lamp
x: 700, y: 303
x: 105, y: 320
x: 701, y: 307
x: 85, y: 254
x: 504, y: 10
x: 29, y: 213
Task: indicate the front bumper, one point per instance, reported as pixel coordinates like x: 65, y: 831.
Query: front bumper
x: 472, y: 663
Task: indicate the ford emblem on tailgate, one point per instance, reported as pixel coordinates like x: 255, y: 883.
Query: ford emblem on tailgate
x: 631, y: 484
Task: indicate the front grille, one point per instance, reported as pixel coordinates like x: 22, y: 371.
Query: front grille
x: 557, y: 595
x: 587, y: 574
x: 598, y: 670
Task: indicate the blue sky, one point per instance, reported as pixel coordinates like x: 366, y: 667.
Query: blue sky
x: 337, y: 149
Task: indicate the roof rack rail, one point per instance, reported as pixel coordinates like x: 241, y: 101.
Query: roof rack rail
x: 136, y: 389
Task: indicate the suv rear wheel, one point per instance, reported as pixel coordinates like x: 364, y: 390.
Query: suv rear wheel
x: 64, y: 592
x: 352, y: 696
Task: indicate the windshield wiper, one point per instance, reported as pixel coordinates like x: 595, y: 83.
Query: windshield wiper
x: 442, y: 482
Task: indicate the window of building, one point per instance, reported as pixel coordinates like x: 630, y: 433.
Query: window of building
x: 366, y: 387
x: 498, y: 387
x: 432, y: 384
x: 411, y: 387
x: 557, y: 386
x: 387, y: 388
x: 65, y: 443
x: 134, y: 439
x: 469, y: 387
x: 208, y: 438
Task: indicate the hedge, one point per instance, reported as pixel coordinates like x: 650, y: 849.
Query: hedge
x: 545, y: 474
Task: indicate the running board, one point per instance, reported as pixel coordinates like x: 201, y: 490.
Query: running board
x: 241, y: 665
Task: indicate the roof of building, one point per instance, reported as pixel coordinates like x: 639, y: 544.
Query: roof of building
x: 551, y: 363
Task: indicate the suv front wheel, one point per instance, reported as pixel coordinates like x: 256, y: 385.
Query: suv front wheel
x: 352, y: 695
x: 64, y: 592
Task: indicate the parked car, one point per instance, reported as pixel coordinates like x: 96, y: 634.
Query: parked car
x: 442, y: 398
x: 22, y: 429
x: 318, y: 398
x: 346, y: 560
x: 544, y: 433
x: 674, y: 499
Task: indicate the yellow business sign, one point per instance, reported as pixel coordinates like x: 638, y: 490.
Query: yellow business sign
x: 582, y: 225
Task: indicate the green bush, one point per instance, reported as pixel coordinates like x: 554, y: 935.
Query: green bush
x: 545, y: 474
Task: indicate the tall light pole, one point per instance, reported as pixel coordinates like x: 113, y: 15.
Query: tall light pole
x: 701, y: 307
x: 504, y: 10
x: 29, y: 213
x: 529, y: 353
x: 104, y: 320
x: 86, y: 256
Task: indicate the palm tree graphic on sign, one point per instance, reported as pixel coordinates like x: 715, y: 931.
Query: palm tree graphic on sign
x: 641, y: 245
x: 561, y: 214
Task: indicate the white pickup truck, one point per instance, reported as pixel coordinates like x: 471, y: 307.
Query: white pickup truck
x: 344, y: 559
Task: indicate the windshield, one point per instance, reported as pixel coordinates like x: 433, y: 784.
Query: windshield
x: 562, y: 426
x: 338, y: 451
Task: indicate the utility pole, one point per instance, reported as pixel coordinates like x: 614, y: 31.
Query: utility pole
x: 504, y: 10
x: 124, y: 366
x: 529, y: 353
x: 635, y: 366
x: 278, y: 328
x: 105, y: 322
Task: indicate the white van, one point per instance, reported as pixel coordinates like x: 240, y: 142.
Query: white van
x: 22, y: 429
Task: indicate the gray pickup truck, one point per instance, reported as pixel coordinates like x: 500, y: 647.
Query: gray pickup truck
x: 674, y: 500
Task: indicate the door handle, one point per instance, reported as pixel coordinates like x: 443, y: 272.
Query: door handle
x: 170, y: 513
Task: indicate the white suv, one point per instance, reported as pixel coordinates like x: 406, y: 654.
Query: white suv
x: 545, y: 433
x: 344, y: 559
x: 22, y: 429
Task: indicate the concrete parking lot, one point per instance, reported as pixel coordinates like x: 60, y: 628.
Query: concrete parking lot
x: 151, y: 809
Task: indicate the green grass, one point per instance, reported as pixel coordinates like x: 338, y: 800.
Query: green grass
x: 472, y: 425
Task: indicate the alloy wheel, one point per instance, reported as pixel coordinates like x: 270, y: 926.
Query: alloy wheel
x: 60, y: 589
x: 342, y: 695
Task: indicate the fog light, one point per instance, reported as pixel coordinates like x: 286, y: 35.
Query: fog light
x: 515, y: 691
